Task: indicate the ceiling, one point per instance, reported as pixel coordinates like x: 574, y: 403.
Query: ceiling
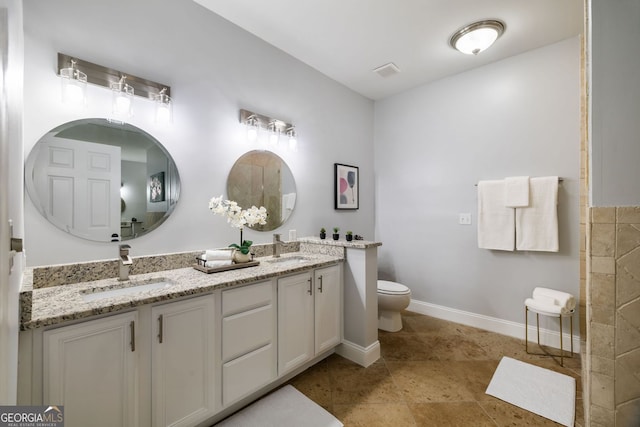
x: 347, y: 39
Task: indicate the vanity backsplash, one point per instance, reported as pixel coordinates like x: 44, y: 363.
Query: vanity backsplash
x: 65, y: 274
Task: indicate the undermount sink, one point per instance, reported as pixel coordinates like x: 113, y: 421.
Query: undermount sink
x: 291, y: 260
x: 131, y: 288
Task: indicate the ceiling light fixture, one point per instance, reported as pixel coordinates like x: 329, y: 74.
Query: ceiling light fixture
x: 476, y: 37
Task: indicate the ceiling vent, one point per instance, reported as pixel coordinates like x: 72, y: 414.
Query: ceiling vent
x: 387, y: 70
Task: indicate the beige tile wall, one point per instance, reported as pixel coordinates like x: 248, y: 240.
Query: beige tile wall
x: 613, y: 316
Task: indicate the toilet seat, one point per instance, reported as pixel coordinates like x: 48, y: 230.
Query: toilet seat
x: 386, y: 287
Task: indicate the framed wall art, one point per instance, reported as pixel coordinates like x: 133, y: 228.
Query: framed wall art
x: 347, y: 186
x: 156, y: 187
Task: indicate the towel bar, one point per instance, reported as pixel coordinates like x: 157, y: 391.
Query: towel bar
x: 560, y: 179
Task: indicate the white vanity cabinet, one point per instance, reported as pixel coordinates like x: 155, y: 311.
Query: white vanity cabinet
x: 183, y: 362
x: 309, y: 316
x: 328, y: 308
x: 248, y: 339
x: 92, y: 369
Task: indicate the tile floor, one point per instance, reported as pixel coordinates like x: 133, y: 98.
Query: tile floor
x: 432, y: 373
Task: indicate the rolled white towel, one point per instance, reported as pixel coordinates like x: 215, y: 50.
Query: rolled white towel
x: 218, y: 263
x: 217, y: 254
x: 544, y: 308
x: 543, y: 299
x: 564, y: 300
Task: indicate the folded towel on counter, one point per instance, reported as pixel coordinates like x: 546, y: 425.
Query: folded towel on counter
x: 516, y: 191
x: 218, y: 263
x: 495, y: 221
x: 217, y: 254
x: 562, y: 299
x: 537, y: 224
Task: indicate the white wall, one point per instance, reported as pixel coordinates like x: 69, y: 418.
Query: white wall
x: 615, y: 137
x: 214, y: 69
x: 519, y: 116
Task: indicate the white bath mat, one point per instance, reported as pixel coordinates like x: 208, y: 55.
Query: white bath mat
x: 286, y: 407
x: 541, y: 391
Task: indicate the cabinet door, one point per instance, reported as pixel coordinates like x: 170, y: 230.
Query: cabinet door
x: 182, y: 362
x: 91, y: 369
x: 295, y: 321
x: 328, y: 308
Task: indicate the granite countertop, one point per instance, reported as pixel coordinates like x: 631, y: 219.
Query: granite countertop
x: 357, y: 244
x: 53, y: 305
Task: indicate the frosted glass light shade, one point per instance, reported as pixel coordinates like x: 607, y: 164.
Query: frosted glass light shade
x: 122, y: 99
x: 252, y: 132
x: 164, y: 113
x: 164, y: 108
x: 477, y: 37
x: 293, y: 144
x: 74, y: 86
x: 253, y: 126
x: 274, y: 138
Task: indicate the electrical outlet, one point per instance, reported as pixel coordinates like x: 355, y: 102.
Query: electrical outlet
x: 464, y: 219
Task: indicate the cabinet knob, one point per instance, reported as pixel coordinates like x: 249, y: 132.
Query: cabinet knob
x: 310, y: 290
x: 320, y: 280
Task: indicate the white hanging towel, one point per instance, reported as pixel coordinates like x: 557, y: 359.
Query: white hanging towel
x: 495, y: 221
x: 516, y: 191
x: 537, y: 224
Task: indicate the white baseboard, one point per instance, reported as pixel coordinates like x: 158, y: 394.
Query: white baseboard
x: 500, y: 326
x: 363, y: 356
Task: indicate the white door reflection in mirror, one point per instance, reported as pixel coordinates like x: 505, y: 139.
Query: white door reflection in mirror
x: 84, y: 186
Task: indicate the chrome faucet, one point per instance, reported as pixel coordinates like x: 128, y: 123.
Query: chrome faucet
x: 277, y: 244
x: 125, y: 262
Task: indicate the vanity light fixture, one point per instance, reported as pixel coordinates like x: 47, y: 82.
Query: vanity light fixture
x: 74, y: 85
x: 255, y: 123
x: 122, y: 98
x: 164, y: 107
x: 476, y: 37
x: 77, y: 72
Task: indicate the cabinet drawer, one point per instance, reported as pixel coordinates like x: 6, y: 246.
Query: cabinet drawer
x: 246, y: 331
x: 246, y: 298
x: 245, y: 374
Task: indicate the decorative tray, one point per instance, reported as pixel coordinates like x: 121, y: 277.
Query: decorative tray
x: 200, y: 266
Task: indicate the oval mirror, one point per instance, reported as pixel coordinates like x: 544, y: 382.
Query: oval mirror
x: 261, y: 178
x: 100, y: 180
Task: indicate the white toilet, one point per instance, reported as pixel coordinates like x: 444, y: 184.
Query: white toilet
x: 392, y: 298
